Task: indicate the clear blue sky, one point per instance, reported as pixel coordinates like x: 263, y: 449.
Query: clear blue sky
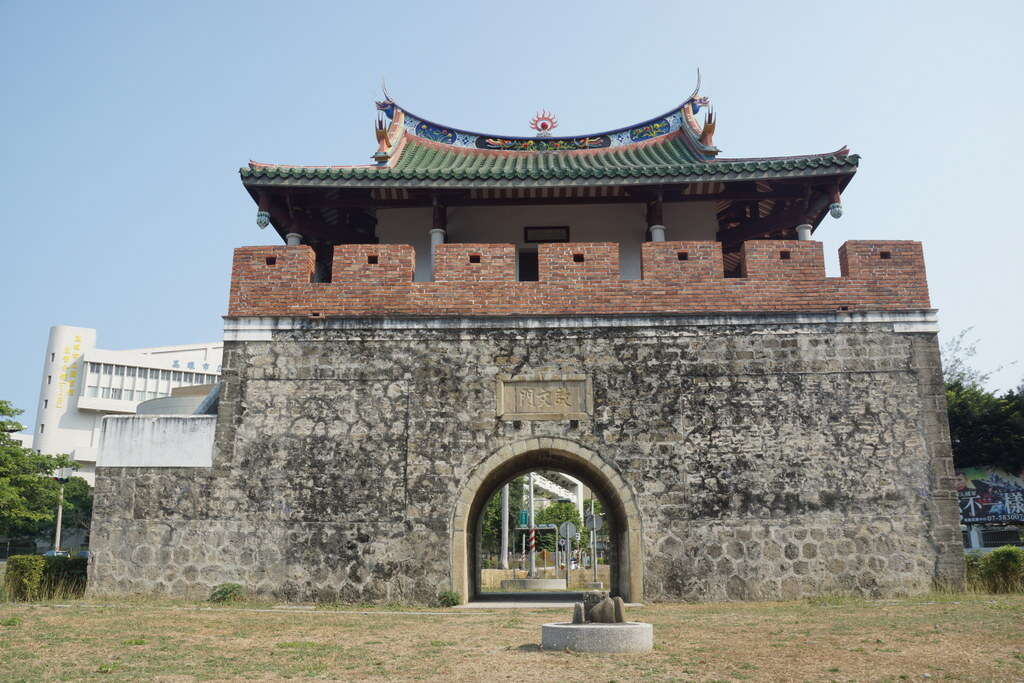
x: 124, y: 125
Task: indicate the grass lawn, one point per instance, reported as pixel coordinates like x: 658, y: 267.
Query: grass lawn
x: 958, y: 637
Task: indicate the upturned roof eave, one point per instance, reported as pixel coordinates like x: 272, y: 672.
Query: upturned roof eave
x: 289, y: 180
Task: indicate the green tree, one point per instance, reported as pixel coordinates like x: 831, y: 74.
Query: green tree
x: 985, y: 429
x: 490, y: 536
x: 28, y: 496
x: 556, y: 513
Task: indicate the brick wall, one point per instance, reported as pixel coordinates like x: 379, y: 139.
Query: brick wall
x: 579, y: 278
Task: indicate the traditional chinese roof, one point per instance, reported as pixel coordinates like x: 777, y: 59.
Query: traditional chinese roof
x: 668, y: 158
x: 673, y: 147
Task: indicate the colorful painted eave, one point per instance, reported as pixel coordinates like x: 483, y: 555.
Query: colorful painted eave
x: 666, y: 149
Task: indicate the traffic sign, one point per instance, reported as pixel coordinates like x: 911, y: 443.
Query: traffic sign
x: 524, y: 518
x: 561, y: 543
x: 566, y: 529
x: 593, y: 522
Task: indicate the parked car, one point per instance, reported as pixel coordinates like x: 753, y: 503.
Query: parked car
x: 56, y: 553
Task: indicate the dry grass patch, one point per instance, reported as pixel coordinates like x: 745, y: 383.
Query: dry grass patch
x: 964, y: 637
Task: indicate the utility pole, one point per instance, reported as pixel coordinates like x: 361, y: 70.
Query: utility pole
x: 593, y: 538
x: 504, y: 527
x: 61, y: 477
x: 533, y: 535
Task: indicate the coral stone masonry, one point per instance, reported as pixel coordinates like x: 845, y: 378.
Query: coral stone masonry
x: 625, y: 307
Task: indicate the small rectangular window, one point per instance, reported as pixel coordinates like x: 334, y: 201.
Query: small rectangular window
x: 187, y: 378
x: 95, y: 368
x: 474, y: 258
x: 683, y: 256
x: 130, y: 372
x: 538, y: 234
x: 108, y: 369
x: 371, y: 259
x: 105, y: 392
x: 42, y: 428
x: 784, y: 255
x: 577, y: 258
x: 119, y: 370
x: 116, y: 394
x: 165, y: 374
x: 176, y: 376
x: 91, y: 392
x: 885, y: 255
x: 53, y: 357
x: 46, y: 403
x: 49, y: 379
x: 271, y: 260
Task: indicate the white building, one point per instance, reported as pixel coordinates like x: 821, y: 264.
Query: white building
x: 81, y: 383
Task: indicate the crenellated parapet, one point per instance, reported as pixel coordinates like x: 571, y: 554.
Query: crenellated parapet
x: 374, y: 280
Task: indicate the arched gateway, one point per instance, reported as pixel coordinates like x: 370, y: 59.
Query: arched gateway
x: 551, y: 453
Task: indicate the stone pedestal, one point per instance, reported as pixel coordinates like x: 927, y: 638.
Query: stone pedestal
x: 631, y: 636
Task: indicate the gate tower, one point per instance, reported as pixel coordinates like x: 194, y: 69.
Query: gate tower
x: 629, y: 306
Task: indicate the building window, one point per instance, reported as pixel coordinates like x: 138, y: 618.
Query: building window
x: 46, y: 403
x: 105, y: 393
x: 187, y: 378
x: 95, y: 368
x: 116, y: 394
x: 129, y: 395
x: 536, y: 234
x: 108, y: 369
x: 176, y: 376
x: 42, y: 428
x: 53, y: 356
x: 165, y: 374
x: 49, y: 379
x: 130, y: 372
x: 119, y: 370
x: 91, y: 392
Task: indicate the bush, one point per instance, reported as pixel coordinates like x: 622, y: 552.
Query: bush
x: 64, y: 577
x: 227, y: 592
x: 973, y: 562
x: 23, y: 578
x: 448, y: 599
x: 1002, y: 570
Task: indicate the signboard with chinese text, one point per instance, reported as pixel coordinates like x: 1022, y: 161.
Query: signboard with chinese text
x: 544, y: 397
x: 990, y: 496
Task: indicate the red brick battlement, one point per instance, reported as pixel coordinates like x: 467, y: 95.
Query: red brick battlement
x: 578, y: 278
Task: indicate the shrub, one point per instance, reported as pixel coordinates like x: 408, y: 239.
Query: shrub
x: 227, y: 592
x: 23, y: 577
x: 973, y: 562
x: 64, y: 577
x: 448, y: 599
x: 1002, y: 570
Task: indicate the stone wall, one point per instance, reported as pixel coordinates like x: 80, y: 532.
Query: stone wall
x: 769, y: 457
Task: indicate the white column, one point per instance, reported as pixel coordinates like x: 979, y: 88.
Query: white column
x: 293, y: 239
x: 657, y: 233
x: 803, y: 232
x: 436, y: 238
x: 504, y: 527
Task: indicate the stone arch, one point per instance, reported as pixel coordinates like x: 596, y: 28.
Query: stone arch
x: 511, y: 460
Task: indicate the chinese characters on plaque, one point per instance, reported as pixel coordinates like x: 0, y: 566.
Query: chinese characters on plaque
x: 544, y: 397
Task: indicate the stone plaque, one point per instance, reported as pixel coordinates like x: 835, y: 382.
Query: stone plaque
x: 544, y: 397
